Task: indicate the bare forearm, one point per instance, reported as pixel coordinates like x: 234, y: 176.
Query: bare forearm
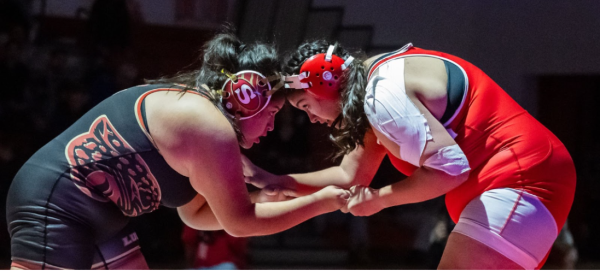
x: 424, y: 184
x: 273, y: 217
x: 357, y: 167
x: 205, y: 219
x: 308, y: 183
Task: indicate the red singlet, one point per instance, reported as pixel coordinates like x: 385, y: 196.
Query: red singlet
x: 505, y: 146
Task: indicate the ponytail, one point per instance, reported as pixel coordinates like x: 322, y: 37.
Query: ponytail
x: 224, y: 51
x: 354, y: 122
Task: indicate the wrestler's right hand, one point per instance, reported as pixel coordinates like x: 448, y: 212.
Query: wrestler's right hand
x: 333, y: 197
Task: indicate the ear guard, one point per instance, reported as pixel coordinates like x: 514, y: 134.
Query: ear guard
x: 246, y: 93
x: 320, y: 75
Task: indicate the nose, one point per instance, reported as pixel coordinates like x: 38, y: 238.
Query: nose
x: 312, y: 117
x: 271, y: 125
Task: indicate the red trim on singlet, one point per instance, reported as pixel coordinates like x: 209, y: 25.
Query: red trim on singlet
x: 138, y: 103
x: 376, y: 65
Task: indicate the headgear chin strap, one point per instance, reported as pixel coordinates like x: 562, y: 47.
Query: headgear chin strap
x: 320, y: 75
x: 246, y: 93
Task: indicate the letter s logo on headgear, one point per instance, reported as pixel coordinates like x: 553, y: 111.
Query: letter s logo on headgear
x: 245, y: 89
x: 245, y: 94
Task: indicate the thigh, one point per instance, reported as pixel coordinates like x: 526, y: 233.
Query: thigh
x: 500, y: 228
x: 120, y: 252
x: 465, y: 253
x: 58, y: 228
x: 51, y: 243
x: 132, y: 261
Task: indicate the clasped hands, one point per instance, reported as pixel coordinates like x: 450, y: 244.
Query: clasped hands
x: 360, y: 200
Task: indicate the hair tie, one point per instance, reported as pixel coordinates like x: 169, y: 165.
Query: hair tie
x: 231, y: 76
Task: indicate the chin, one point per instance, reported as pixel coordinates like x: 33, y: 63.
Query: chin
x: 246, y: 145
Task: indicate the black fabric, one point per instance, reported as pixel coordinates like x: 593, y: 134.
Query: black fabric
x: 79, y: 190
x: 456, y: 90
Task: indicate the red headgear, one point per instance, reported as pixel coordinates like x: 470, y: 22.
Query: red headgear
x: 245, y: 94
x: 320, y: 75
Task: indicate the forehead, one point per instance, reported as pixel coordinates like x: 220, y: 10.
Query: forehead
x: 298, y: 95
x: 276, y: 101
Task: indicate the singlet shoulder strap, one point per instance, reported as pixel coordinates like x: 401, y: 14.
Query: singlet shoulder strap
x: 387, y: 57
x: 140, y: 106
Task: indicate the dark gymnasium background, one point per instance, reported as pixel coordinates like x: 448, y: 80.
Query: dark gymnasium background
x: 58, y: 58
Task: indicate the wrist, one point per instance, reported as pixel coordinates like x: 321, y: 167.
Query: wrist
x: 287, y: 181
x: 384, y: 197
x: 321, y: 201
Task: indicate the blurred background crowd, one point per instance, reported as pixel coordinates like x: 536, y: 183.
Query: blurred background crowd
x: 60, y: 58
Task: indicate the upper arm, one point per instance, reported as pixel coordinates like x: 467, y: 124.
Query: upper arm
x: 403, y: 124
x: 426, y: 82
x: 201, y: 144
x: 440, y: 137
x: 215, y: 172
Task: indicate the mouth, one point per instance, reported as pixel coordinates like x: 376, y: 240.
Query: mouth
x: 322, y: 121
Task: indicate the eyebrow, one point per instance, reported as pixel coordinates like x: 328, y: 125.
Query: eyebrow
x: 298, y: 102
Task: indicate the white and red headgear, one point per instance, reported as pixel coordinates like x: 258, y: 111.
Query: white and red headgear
x: 246, y: 93
x: 320, y: 75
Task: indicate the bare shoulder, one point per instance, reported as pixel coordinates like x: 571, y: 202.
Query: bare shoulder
x: 425, y: 74
x: 426, y: 79
x: 182, y: 126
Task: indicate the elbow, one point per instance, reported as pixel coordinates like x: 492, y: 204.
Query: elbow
x: 240, y: 230
x: 244, y: 226
x: 462, y: 177
x: 237, y: 233
x: 450, y: 180
x: 347, y: 180
x: 451, y: 164
x: 457, y: 179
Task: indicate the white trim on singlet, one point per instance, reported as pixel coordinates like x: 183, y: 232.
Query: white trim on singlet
x: 116, y: 258
x: 466, y: 90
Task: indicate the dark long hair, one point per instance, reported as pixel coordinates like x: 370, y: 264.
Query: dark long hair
x: 354, y: 122
x: 225, y: 51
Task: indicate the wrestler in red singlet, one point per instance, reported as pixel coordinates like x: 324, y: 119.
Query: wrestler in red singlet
x: 506, y: 147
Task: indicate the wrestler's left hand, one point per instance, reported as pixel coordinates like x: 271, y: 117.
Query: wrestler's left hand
x: 364, y: 201
x: 257, y: 176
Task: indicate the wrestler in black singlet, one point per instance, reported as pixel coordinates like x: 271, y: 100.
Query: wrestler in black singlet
x: 73, y: 198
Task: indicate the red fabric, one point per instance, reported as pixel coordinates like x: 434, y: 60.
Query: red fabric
x: 214, y: 247
x: 505, y: 146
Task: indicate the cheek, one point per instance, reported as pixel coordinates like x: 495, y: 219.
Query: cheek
x: 329, y: 109
x: 253, y: 127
